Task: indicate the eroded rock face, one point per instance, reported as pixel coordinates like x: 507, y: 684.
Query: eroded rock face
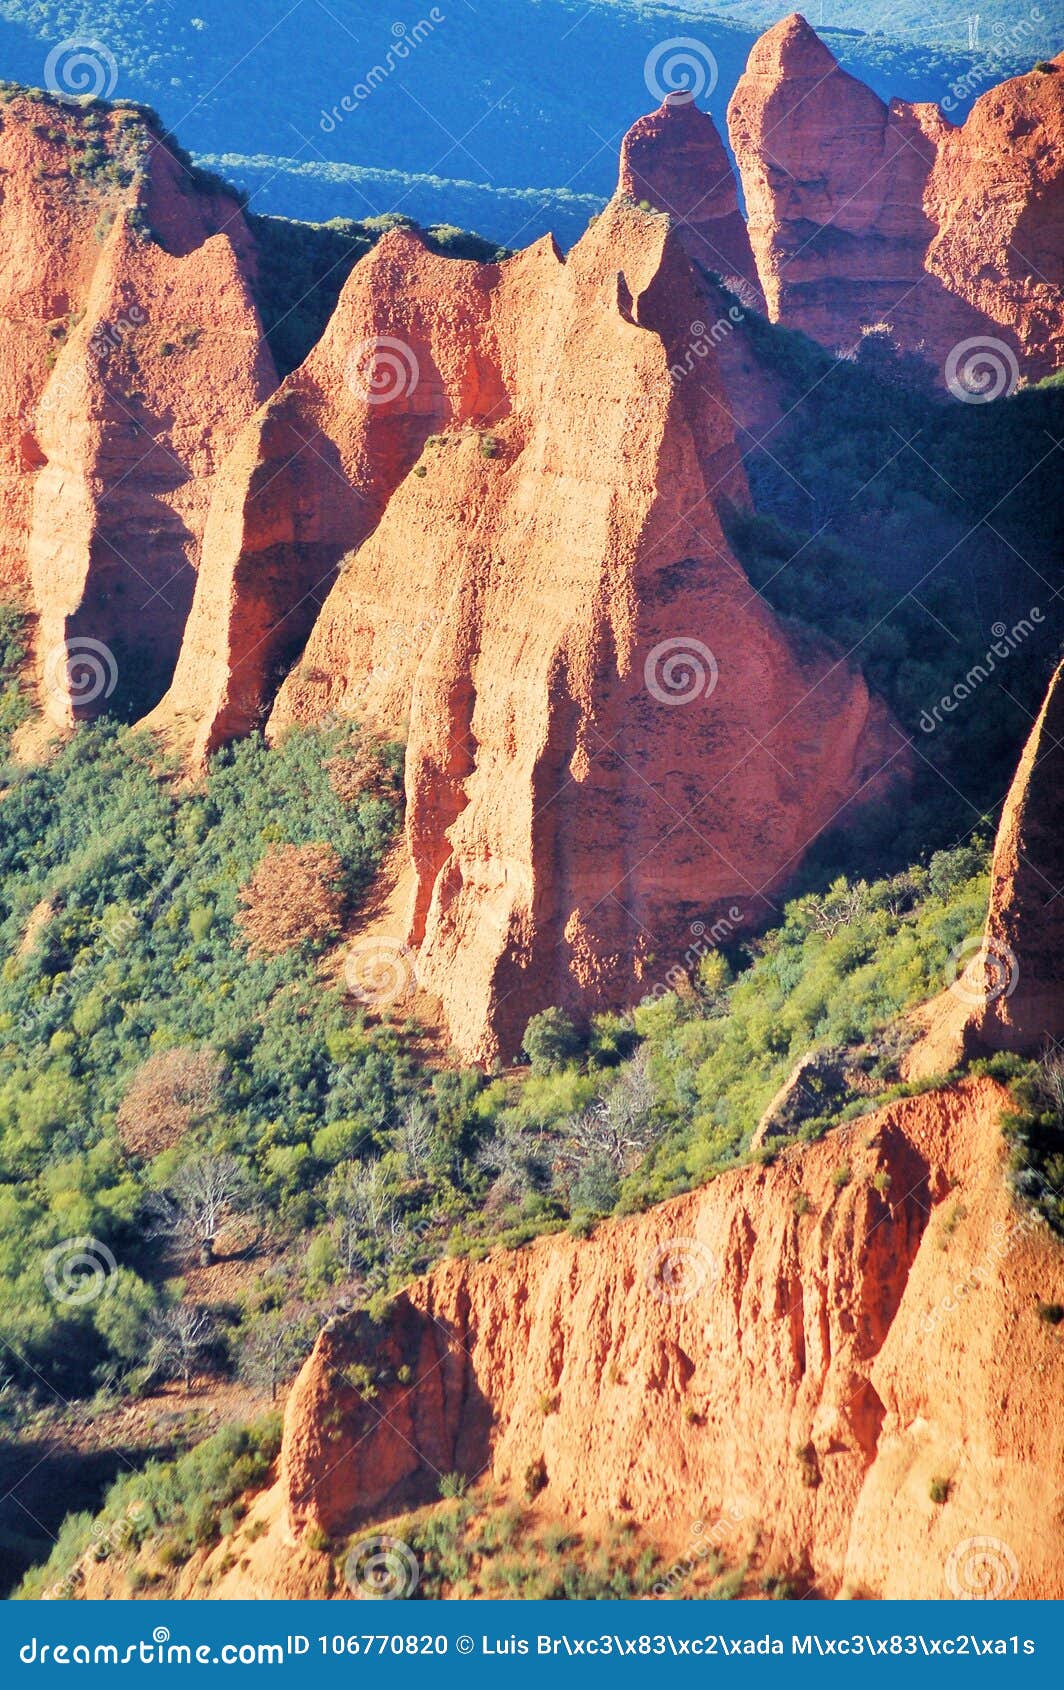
x: 796, y: 1373
x: 133, y: 352
x: 862, y: 213
x: 407, y: 351
x: 995, y: 198
x: 674, y: 161
x: 1022, y: 971
x: 609, y: 737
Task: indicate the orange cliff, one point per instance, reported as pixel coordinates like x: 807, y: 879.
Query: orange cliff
x: 838, y: 1359
x: 793, y: 1361
x: 503, y: 481
x: 861, y: 213
x: 132, y: 351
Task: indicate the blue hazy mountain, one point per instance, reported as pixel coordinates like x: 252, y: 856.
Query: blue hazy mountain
x: 449, y: 112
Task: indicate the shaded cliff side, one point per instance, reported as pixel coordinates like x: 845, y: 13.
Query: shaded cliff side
x: 673, y: 160
x: 1021, y: 965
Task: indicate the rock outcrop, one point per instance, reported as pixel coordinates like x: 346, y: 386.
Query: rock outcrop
x: 674, y: 161
x: 609, y: 736
x: 995, y: 199
x: 132, y: 353
x: 1022, y: 975
x: 862, y: 213
x: 800, y: 1359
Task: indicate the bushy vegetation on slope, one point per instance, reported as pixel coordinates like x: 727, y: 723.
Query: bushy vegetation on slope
x: 119, y: 915
x: 841, y: 967
x: 151, y: 1054
x: 174, y: 1060
x: 176, y: 1506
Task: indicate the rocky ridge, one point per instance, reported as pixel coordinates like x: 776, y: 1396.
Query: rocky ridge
x: 613, y: 745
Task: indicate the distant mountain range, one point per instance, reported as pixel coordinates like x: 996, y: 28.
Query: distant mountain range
x: 315, y: 105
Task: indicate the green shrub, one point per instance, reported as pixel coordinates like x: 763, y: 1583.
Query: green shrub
x: 551, y: 1041
x: 176, y: 1506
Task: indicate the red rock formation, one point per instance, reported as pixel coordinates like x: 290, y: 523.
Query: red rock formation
x: 406, y: 351
x: 798, y: 1374
x: 1022, y: 974
x: 515, y: 612
x: 995, y: 199
x: 673, y: 160
x: 47, y: 256
x: 138, y: 277
x: 861, y: 213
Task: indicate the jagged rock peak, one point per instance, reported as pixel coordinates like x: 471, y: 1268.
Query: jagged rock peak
x: 863, y: 214
x: 795, y: 46
x: 673, y: 160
